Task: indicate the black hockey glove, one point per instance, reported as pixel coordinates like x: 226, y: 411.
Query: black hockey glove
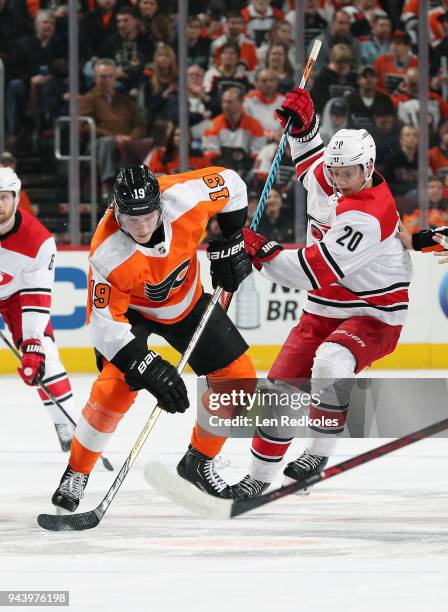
x: 229, y: 262
x: 423, y: 240
x: 149, y: 371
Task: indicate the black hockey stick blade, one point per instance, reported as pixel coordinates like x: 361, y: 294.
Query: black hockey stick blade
x: 71, y: 522
x: 188, y: 496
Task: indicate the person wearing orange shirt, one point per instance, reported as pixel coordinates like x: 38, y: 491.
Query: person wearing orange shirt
x: 144, y: 278
x: 391, y: 67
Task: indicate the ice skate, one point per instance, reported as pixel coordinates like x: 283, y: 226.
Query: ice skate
x: 70, y: 490
x: 200, y: 471
x: 304, y: 466
x: 248, y: 487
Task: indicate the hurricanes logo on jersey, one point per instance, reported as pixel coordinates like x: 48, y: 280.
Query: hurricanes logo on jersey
x: 5, y: 278
x: 160, y: 292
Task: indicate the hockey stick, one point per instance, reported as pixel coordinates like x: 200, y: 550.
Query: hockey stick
x: 107, y: 464
x: 90, y: 519
x: 227, y: 297
x: 187, y: 495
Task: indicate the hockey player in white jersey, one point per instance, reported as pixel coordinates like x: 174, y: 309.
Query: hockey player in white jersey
x: 27, y: 259
x: 357, y: 274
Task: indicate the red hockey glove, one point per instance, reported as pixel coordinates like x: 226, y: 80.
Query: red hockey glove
x: 33, y: 361
x: 297, y: 104
x: 259, y: 248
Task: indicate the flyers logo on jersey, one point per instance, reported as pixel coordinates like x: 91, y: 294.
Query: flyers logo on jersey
x: 160, y: 292
x: 5, y: 278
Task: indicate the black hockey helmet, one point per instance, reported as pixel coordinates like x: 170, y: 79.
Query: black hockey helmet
x: 136, y: 191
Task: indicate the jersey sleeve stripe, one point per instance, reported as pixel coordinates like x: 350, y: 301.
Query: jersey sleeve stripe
x: 331, y: 262
x: 319, y: 266
x: 36, y: 290
x: 302, y: 168
x: 307, y: 269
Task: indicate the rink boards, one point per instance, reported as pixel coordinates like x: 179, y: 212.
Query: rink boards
x: 263, y: 311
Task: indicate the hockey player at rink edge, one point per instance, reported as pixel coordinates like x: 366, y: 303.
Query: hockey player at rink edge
x: 357, y: 273
x: 27, y: 262
x: 144, y: 279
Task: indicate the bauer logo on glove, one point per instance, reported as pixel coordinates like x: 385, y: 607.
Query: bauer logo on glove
x: 229, y: 262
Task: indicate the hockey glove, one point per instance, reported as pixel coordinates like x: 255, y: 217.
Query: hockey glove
x: 298, y: 105
x: 149, y: 371
x: 423, y: 241
x: 229, y: 263
x: 32, y: 361
x: 259, y: 248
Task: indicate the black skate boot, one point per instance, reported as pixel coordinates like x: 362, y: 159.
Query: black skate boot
x: 200, y: 471
x: 70, y: 490
x: 65, y: 433
x: 248, y: 487
x: 304, y: 466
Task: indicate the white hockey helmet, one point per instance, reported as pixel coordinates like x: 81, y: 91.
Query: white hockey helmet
x: 9, y: 181
x: 350, y: 148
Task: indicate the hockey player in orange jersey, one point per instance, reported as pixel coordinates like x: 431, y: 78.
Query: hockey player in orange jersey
x: 144, y: 279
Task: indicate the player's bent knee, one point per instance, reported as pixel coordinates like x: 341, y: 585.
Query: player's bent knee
x: 333, y: 361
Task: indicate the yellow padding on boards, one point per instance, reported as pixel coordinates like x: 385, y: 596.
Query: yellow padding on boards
x: 405, y: 356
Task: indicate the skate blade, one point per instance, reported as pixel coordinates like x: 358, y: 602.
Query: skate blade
x: 302, y: 493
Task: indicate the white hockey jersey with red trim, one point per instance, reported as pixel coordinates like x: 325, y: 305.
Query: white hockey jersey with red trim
x: 27, y: 255
x: 353, y: 265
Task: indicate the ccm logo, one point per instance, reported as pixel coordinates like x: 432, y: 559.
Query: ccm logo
x: 268, y: 246
x: 228, y: 252
x: 143, y: 365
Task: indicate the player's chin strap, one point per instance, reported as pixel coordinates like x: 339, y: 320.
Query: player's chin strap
x: 227, y: 297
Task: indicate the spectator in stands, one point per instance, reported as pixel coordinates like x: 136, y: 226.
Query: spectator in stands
x: 259, y: 17
x: 437, y: 208
x: 391, y: 67
x: 53, y: 97
x: 96, y: 26
x: 440, y: 51
x: 378, y: 42
x: 336, y: 80
x: 274, y: 224
x: 264, y: 99
x: 438, y: 155
x: 161, y: 88
x: 129, y: 48
x: 335, y: 116
x: 7, y: 160
x: 28, y: 67
x: 364, y: 101
x: 234, y: 137
x: 263, y: 163
x: 281, y: 34
x: 314, y: 20
x: 166, y: 160
x: 277, y: 60
x: 235, y: 34
x: 198, y: 45
x: 408, y: 104
x: 338, y: 32
x: 156, y: 25
x: 119, y: 126
x: 198, y: 102
x: 400, y: 168
x: 229, y: 72
x: 386, y: 133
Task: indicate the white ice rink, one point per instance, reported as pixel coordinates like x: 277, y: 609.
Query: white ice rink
x: 375, y: 538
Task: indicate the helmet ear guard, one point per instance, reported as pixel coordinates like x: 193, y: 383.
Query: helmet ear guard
x: 351, y: 148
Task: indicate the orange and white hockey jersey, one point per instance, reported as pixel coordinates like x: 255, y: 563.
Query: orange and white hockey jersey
x: 353, y: 264
x: 161, y: 283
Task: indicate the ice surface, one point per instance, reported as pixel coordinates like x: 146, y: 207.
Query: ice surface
x: 373, y: 538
